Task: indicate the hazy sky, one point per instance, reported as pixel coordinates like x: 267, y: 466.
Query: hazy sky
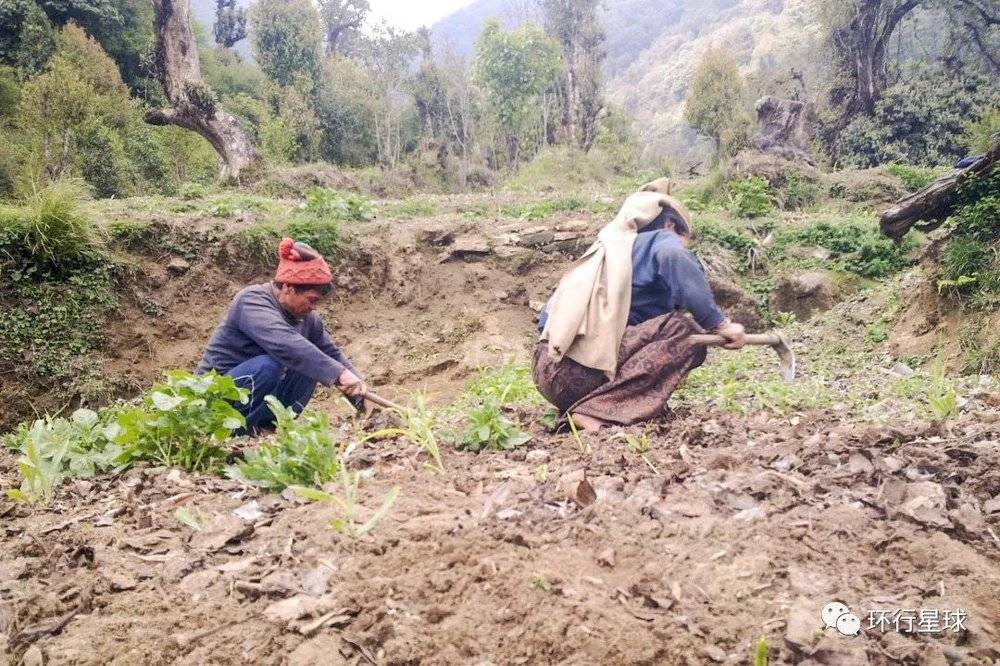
x: 411, y: 14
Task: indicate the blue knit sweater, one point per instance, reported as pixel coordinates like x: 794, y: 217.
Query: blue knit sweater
x: 666, y: 276
x: 255, y: 325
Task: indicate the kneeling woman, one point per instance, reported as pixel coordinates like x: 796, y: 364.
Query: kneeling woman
x: 613, y: 343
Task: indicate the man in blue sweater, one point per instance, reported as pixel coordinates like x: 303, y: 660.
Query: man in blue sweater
x: 654, y: 355
x: 273, y: 342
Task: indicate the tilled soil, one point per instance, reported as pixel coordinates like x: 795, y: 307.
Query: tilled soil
x: 728, y: 529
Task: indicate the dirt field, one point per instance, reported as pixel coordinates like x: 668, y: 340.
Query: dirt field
x: 730, y: 528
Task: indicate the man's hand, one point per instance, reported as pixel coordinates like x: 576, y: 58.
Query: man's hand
x: 350, y: 384
x: 733, y: 332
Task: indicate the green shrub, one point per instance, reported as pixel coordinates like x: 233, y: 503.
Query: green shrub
x: 48, y: 233
x: 558, y: 168
x: 965, y: 257
x: 340, y: 206
x: 193, y: 191
x: 797, y: 193
x: 920, y: 120
x: 914, y: 177
x: 182, y: 422
x: 489, y: 429
x: 54, y: 449
x: 979, y: 133
x: 303, y: 452
x: 259, y: 243
x: 858, y: 248
x: 978, y: 212
x: 411, y: 208
x: 751, y: 197
x: 322, y: 234
x: 509, y: 384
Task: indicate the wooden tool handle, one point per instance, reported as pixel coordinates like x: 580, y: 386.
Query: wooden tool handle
x: 767, y: 339
x: 379, y: 400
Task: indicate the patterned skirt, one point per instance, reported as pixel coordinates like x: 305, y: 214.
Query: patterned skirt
x: 653, y: 359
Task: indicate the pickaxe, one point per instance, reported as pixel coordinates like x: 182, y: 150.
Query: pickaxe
x: 776, y: 341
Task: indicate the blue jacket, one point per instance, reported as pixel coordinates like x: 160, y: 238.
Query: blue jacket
x: 256, y: 325
x: 666, y: 276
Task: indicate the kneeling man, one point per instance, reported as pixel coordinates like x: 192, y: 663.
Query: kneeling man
x: 272, y: 342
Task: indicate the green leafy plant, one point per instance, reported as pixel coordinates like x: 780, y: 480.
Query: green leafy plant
x: 192, y: 191
x: 54, y: 449
x: 417, y: 425
x: 914, y: 177
x: 340, y: 206
x: 348, y: 522
x: 761, y: 652
x: 751, y: 197
x: 784, y: 319
x: 489, y: 429
x: 942, y: 397
x: 302, y: 452
x: 856, y: 247
x: 411, y: 208
x: 511, y: 383
x: 192, y: 519
x: 182, y: 422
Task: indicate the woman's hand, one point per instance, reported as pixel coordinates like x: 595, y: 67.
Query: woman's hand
x: 350, y: 384
x: 733, y: 332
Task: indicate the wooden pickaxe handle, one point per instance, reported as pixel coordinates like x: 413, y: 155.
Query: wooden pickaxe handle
x: 709, y: 340
x: 776, y: 341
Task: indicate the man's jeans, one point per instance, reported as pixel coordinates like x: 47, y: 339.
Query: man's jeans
x: 264, y: 375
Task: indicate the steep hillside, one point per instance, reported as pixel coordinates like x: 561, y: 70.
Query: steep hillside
x: 767, y: 36
x: 653, y: 46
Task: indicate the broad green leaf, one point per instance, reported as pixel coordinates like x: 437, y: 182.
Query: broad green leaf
x: 313, y: 494
x: 165, y: 402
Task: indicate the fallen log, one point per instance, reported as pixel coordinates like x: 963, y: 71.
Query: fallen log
x: 933, y: 204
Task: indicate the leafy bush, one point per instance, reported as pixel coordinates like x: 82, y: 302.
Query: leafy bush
x: 192, y: 191
x: 511, y: 383
x: 259, y: 243
x: 303, y: 452
x: 797, y: 193
x: 342, y: 206
x: 54, y: 449
x: 49, y: 232
x: 978, y: 212
x: 920, y: 120
x: 411, y: 208
x: 914, y: 177
x: 858, y: 248
x: 324, y: 235
x: 489, y: 429
x: 182, y: 422
x: 965, y: 257
x: 979, y: 133
x: 751, y: 197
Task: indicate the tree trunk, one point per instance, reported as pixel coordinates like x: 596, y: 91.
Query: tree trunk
x: 936, y: 202
x: 861, y: 45
x: 193, y: 104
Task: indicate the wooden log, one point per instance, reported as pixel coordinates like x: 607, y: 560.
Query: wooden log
x: 933, y: 204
